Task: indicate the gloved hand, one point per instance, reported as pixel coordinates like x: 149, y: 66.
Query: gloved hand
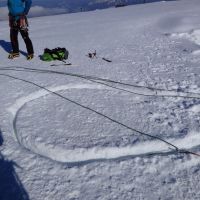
x: 23, y: 22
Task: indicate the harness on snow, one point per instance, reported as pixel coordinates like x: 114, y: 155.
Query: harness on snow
x: 92, y: 55
x: 55, y: 54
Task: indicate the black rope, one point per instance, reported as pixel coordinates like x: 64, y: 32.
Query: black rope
x: 103, y: 115
x: 90, y: 109
x: 109, y: 80
x: 98, y: 80
x: 91, y: 80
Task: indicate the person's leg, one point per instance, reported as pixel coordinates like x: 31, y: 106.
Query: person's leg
x: 14, y: 40
x: 27, y: 40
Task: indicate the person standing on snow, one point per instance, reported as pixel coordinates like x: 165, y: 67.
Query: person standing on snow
x: 18, y: 9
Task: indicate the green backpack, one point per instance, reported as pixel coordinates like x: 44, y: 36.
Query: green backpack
x: 55, y: 54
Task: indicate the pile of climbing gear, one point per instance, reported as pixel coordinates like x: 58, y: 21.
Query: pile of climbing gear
x: 58, y: 53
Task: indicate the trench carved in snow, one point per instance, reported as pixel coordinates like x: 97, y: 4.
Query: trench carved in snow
x: 89, y: 154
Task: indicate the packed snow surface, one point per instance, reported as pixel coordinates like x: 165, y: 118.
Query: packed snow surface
x: 104, y: 130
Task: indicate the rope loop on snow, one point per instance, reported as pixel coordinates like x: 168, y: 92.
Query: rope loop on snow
x: 176, y: 149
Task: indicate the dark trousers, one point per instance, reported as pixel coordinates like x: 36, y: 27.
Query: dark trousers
x: 14, y: 30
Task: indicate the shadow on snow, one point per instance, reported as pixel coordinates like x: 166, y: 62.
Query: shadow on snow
x: 6, y: 46
x: 10, y: 186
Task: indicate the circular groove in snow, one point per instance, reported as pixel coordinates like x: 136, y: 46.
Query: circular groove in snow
x: 89, y: 154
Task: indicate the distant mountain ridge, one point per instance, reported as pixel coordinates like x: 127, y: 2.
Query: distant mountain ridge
x: 52, y: 7
x: 85, y: 5
x: 76, y: 5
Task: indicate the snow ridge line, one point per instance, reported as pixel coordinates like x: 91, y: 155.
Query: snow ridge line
x: 134, y: 89
x: 108, y: 153
x: 22, y: 101
x: 82, y: 155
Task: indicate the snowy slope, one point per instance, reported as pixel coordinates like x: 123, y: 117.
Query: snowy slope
x: 80, y: 131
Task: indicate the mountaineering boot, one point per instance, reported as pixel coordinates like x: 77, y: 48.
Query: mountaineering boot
x: 13, y: 55
x: 30, y: 56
